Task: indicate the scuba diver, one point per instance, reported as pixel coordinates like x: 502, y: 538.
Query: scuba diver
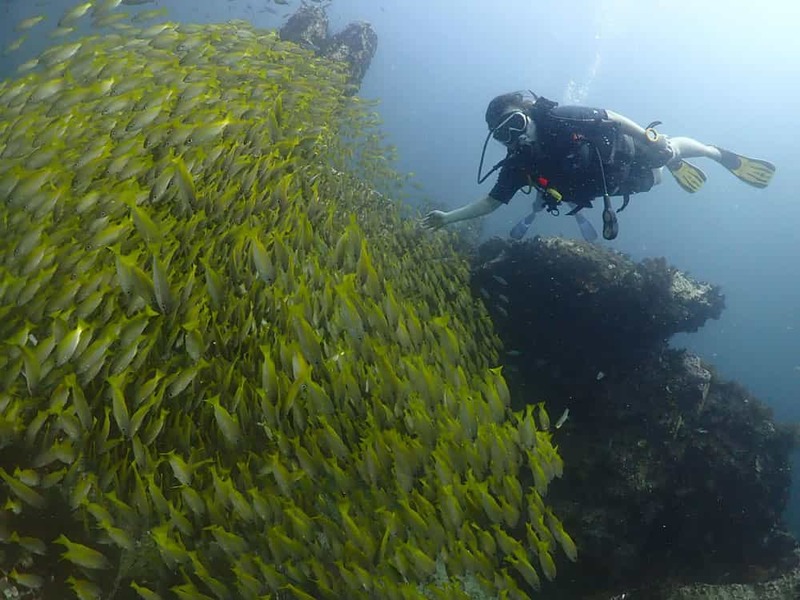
x: 571, y: 155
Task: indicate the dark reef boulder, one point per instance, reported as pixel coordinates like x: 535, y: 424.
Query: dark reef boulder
x: 308, y: 27
x: 354, y: 46
x: 785, y: 587
x: 586, y: 308
x: 673, y: 475
x: 685, y: 475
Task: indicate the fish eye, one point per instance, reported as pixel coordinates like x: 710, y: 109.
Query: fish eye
x: 189, y: 141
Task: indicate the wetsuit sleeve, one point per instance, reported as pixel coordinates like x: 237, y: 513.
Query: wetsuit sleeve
x: 510, y: 180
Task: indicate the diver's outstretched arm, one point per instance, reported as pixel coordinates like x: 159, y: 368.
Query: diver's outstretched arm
x: 483, y: 206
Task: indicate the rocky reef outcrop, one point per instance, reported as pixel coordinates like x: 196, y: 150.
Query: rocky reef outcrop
x: 581, y: 309
x: 354, y: 46
x: 673, y: 475
x: 784, y: 587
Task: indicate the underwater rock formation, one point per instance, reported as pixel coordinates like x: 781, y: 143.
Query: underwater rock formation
x: 785, y: 587
x: 354, y: 46
x: 673, y: 473
x: 307, y: 27
x: 583, y: 307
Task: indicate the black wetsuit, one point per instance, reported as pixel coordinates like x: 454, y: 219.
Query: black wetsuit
x: 571, y: 142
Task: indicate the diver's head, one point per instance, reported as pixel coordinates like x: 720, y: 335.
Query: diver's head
x: 509, y: 120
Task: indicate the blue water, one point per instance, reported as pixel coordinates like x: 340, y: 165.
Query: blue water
x: 726, y: 73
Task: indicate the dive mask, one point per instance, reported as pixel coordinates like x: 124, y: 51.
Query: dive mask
x: 511, y: 127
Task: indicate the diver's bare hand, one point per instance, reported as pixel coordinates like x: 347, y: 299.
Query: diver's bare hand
x: 436, y: 219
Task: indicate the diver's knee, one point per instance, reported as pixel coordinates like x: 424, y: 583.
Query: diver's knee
x: 666, y: 150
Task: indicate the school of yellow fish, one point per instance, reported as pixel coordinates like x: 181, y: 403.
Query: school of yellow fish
x: 229, y: 367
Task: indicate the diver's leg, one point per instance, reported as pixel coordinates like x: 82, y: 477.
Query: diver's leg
x: 684, y: 147
x: 663, y: 150
x: 753, y: 171
x: 690, y: 177
x: 628, y: 126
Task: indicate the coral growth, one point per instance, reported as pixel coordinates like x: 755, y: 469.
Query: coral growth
x: 675, y: 474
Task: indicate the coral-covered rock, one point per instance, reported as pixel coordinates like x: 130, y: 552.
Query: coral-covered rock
x: 354, y: 46
x: 583, y: 309
x: 308, y: 27
x: 672, y: 473
x: 688, y: 475
x: 785, y: 587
